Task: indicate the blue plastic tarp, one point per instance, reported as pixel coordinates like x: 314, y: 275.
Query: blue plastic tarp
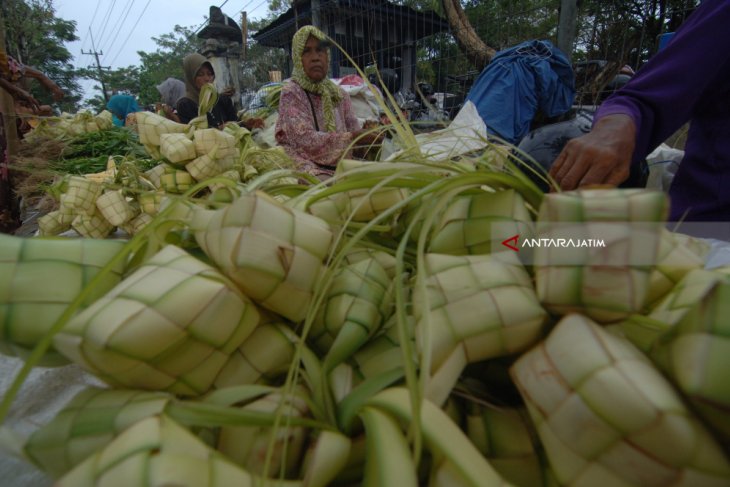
x: 519, y: 81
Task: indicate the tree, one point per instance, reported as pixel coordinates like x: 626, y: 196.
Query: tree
x: 261, y: 59
x: 276, y: 8
x: 117, y: 81
x: 469, y: 41
x: 626, y: 30
x: 36, y: 37
x: 165, y: 62
x: 141, y: 81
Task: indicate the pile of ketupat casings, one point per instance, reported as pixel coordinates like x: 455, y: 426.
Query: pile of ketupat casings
x: 125, y: 197
x: 68, y: 125
x: 373, y: 330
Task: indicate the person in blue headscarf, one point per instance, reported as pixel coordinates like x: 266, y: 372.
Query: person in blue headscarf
x: 121, y: 106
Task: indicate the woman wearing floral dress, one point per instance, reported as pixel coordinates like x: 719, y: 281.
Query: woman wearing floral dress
x: 316, y: 122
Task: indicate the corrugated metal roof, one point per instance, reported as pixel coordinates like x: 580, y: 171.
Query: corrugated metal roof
x: 280, y: 31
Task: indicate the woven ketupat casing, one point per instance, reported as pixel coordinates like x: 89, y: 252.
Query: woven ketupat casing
x: 223, y: 143
x: 203, y: 167
x: 475, y: 307
x: 54, y: 222
x: 177, y: 148
x: 609, y: 281
x: 151, y: 126
x: 273, y: 253
x: 89, y: 422
x: 156, y: 451
x: 80, y: 196
x: 482, y: 304
x: 169, y: 326
x: 40, y: 278
x: 115, y: 207
x: 92, y: 226
x: 694, y: 348
x: 606, y: 416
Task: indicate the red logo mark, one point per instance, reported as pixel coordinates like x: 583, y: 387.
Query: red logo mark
x: 507, y: 244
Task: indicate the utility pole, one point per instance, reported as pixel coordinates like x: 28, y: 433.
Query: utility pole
x: 244, y: 36
x: 98, y: 65
x: 100, y: 68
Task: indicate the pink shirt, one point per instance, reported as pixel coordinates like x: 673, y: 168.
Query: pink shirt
x: 316, y: 152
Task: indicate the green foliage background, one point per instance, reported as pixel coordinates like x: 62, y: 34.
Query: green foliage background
x: 620, y: 30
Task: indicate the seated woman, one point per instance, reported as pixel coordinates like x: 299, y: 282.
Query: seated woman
x: 316, y: 122
x: 171, y: 90
x: 121, y: 107
x: 198, y: 72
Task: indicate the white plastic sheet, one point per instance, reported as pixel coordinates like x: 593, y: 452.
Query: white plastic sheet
x: 364, y: 102
x: 663, y: 164
x: 43, y: 394
x: 466, y: 133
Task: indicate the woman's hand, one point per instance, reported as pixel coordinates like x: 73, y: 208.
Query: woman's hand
x: 253, y: 123
x: 369, y: 134
x: 367, y: 138
x: 602, y: 156
x: 168, y: 111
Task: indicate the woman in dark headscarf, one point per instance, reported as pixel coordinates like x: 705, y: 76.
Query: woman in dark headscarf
x: 316, y: 122
x: 198, y: 71
x: 121, y: 106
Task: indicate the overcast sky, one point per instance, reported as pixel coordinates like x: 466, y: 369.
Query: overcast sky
x: 120, y: 28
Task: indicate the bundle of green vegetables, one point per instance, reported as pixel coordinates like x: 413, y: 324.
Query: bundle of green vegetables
x: 89, y: 153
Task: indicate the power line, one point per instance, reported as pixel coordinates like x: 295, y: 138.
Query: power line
x: 130, y: 32
x: 105, y: 22
x: 197, y: 29
x: 246, y: 6
x: 113, y: 38
x: 200, y: 26
x: 90, y: 24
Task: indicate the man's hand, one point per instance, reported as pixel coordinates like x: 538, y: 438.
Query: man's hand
x: 19, y: 94
x: 29, y: 99
x: 602, y: 156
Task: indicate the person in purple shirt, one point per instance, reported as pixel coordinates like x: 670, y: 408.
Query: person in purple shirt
x: 687, y: 81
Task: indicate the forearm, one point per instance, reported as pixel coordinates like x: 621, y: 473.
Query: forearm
x: 9, y: 87
x: 18, y: 93
x: 667, y: 90
x: 46, y: 82
x: 326, y: 148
